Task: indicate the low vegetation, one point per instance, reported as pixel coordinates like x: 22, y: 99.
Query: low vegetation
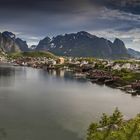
x: 126, y: 61
x: 31, y: 54
x: 114, y: 127
x: 127, y: 76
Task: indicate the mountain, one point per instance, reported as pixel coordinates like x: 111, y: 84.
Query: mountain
x: 83, y: 44
x: 44, y: 44
x: 133, y: 53
x: 119, y: 49
x: 9, y: 43
x: 22, y: 45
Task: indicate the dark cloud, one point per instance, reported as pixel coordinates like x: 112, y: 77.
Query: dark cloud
x: 34, y: 19
x: 132, y: 6
x: 52, y: 6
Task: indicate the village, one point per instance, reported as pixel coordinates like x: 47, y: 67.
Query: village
x: 121, y: 74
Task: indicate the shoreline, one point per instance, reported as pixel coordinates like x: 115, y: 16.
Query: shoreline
x: 98, y: 76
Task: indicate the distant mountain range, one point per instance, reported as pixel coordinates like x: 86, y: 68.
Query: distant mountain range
x: 81, y: 44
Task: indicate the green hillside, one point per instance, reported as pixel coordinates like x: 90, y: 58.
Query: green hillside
x: 32, y: 54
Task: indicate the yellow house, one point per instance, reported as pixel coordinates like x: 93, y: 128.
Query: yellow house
x: 61, y: 60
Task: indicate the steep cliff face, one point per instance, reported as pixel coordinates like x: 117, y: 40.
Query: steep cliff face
x: 83, y: 44
x: 134, y: 53
x: 44, y: 44
x: 22, y: 45
x: 7, y: 42
x: 119, y: 48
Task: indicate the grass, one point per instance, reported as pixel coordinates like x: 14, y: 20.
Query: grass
x: 126, y: 75
x: 32, y: 54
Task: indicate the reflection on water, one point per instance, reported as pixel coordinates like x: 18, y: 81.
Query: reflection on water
x: 65, y: 75
x: 3, y: 134
x: 5, y: 73
x: 59, y: 73
x: 41, y: 105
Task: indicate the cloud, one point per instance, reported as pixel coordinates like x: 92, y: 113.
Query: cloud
x: 56, y: 6
x: 33, y: 20
x: 131, y: 37
x: 130, y: 6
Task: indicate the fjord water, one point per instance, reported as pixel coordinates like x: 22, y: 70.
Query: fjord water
x: 40, y: 105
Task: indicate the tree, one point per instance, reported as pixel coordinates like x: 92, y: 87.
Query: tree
x: 116, y: 117
x: 105, y: 120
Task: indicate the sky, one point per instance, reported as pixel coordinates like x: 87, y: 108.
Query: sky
x: 33, y: 20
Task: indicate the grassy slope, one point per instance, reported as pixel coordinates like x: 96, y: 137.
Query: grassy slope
x: 32, y: 54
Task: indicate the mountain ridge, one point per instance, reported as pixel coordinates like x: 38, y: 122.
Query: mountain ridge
x: 80, y: 44
x: 134, y: 53
x: 83, y: 44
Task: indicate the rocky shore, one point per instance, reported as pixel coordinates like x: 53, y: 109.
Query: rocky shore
x: 110, y: 79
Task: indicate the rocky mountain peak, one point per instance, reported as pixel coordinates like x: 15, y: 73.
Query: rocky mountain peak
x: 9, y: 42
x: 118, y: 42
x: 22, y: 45
x: 43, y: 44
x: 9, y: 35
x: 83, y: 44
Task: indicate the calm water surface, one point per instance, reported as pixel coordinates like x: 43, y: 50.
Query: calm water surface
x: 37, y: 105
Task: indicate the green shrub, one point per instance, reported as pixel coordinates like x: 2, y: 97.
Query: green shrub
x: 123, y: 130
